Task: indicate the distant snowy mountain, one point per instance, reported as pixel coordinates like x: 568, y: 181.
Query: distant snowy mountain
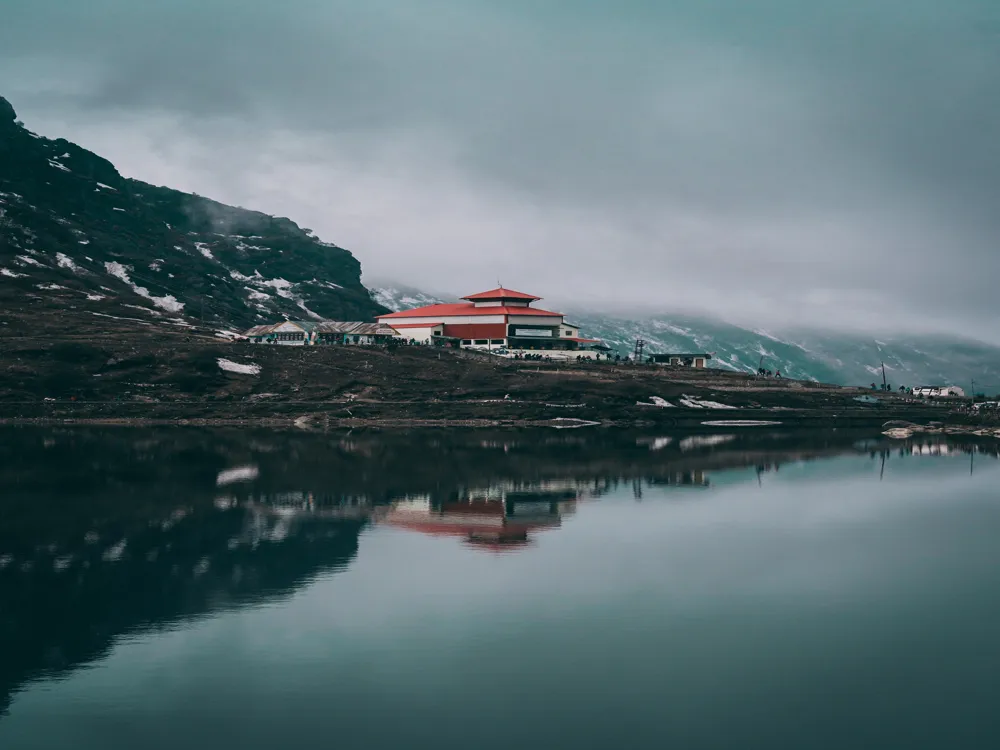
x: 398, y: 297
x: 823, y: 356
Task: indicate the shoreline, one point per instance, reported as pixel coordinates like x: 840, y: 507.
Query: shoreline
x: 331, y: 418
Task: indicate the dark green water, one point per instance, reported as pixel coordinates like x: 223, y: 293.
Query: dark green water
x: 187, y: 589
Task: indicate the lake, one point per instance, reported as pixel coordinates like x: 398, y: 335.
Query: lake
x: 192, y: 588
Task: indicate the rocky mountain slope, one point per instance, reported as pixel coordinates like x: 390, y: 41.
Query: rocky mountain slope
x: 76, y: 235
x: 808, y: 355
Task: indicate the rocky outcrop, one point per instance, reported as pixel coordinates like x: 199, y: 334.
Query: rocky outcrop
x: 78, y: 236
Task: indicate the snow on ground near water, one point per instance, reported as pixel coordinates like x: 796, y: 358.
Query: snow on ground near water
x: 168, y: 303
x: 740, y: 423
x: 697, y: 403
x: 656, y: 401
x: 118, y: 209
x: 230, y: 366
x: 64, y: 261
x: 10, y: 274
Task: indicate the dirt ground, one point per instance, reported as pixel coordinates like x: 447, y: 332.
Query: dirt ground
x: 121, y: 371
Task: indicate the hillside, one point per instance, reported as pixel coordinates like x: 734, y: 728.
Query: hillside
x: 823, y: 356
x: 77, y: 236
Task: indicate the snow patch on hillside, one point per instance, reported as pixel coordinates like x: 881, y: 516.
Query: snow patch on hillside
x: 307, y: 311
x: 257, y: 296
x: 397, y: 299
x: 168, y: 302
x: 230, y: 366
x: 282, y: 287
x: 64, y: 261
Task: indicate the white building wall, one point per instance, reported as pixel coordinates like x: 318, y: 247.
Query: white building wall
x: 535, y: 320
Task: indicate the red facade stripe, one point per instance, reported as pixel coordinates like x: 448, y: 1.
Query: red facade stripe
x: 476, y: 330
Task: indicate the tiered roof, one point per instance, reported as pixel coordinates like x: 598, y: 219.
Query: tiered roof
x: 500, y: 294
x: 465, y: 308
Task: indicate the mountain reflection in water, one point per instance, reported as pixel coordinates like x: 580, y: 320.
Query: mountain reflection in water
x: 110, y: 532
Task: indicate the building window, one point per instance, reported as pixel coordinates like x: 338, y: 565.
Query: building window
x: 496, y: 342
x: 466, y: 342
x: 436, y: 333
x: 482, y: 342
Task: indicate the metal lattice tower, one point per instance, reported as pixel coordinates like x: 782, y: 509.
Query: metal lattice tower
x: 640, y: 346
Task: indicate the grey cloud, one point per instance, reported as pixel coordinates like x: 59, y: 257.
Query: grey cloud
x: 767, y: 159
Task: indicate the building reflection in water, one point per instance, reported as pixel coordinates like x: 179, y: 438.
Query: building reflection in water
x: 497, y: 518
x: 105, y: 534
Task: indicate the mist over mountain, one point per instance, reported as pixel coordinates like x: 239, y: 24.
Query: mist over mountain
x: 824, y: 356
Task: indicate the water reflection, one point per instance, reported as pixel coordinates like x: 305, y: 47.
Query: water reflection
x: 496, y: 518
x: 105, y: 533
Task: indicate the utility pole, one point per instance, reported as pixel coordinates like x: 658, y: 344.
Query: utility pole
x: 973, y: 394
x: 885, y: 385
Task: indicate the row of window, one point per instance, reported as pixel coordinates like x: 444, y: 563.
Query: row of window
x: 482, y: 342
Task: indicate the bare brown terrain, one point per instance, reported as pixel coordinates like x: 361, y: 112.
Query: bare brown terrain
x: 59, y: 367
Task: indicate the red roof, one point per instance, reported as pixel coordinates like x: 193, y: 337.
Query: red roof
x: 414, y: 325
x: 476, y: 331
x: 463, y: 308
x: 501, y: 293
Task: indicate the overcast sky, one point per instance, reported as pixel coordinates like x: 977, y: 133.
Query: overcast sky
x: 775, y: 162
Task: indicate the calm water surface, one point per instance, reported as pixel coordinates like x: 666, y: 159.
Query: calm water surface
x: 196, y: 589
